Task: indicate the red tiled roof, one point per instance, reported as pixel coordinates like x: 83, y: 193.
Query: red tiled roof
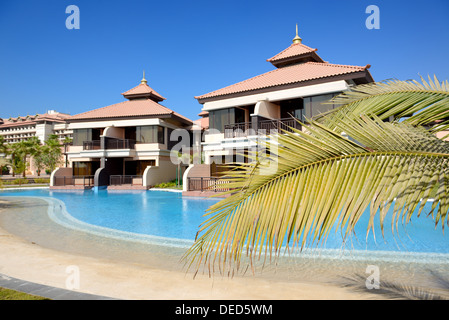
x: 142, y: 90
x: 287, y: 75
x: 131, y: 108
x: 295, y: 49
x: 202, y: 122
x: 27, y: 120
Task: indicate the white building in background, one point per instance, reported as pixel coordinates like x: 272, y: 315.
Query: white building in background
x: 40, y: 125
x: 22, y: 128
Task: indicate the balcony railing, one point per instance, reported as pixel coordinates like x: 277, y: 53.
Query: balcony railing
x: 92, y: 145
x: 113, y: 143
x: 133, y: 180
x: 278, y: 125
x: 109, y: 143
x: 85, y: 181
x: 238, y: 130
x: 262, y: 127
x: 206, y: 184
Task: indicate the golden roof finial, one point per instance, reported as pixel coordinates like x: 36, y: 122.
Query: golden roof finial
x: 143, y: 79
x: 297, y: 39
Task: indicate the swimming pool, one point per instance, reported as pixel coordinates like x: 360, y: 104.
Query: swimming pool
x: 167, y: 215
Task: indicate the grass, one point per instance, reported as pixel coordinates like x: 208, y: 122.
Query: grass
x: 24, y: 186
x: 8, y: 294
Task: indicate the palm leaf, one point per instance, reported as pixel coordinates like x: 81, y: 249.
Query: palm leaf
x: 323, y: 180
x: 422, y: 104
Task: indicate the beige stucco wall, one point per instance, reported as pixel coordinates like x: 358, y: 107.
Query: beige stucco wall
x: 60, y: 172
x: 267, y: 109
x: 114, y: 132
x: 164, y: 172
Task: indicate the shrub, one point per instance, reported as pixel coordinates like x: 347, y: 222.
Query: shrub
x: 20, y: 181
x: 170, y: 184
x: 41, y: 180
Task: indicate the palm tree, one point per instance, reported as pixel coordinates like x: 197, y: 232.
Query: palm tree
x: 66, y: 142
x: 17, y: 163
x: 52, y: 152
x: 39, y: 159
x: 28, y: 148
x: 325, y: 180
x: 4, y: 152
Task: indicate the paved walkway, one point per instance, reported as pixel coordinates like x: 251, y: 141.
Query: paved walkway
x: 46, y: 291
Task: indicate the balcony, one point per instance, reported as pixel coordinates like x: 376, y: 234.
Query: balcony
x: 92, y: 145
x: 109, y: 144
x: 260, y: 127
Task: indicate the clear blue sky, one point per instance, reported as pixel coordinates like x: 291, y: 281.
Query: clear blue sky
x: 189, y: 48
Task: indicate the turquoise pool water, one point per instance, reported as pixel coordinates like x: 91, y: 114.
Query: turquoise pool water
x: 169, y: 215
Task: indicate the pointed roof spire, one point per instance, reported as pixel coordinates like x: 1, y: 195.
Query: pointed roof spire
x: 297, y: 39
x: 144, y: 81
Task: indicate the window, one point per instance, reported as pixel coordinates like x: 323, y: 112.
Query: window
x: 293, y: 107
x: 137, y: 167
x: 219, y: 118
x: 150, y: 134
x: 81, y: 135
x: 316, y: 105
x: 85, y: 168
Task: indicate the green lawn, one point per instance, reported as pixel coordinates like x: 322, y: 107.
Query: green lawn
x: 8, y: 294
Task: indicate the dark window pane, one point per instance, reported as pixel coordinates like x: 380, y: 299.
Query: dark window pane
x: 81, y: 135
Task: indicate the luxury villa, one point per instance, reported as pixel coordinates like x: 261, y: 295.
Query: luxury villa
x: 241, y: 113
x: 124, y: 145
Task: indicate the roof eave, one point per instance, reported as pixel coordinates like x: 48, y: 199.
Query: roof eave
x: 364, y: 75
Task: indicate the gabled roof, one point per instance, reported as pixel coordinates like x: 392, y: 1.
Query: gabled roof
x: 297, y: 65
x: 131, y: 108
x: 143, y: 91
x: 296, y: 73
x: 294, y: 53
x: 143, y: 102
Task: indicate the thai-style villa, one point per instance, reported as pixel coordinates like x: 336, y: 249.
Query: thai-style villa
x: 240, y: 113
x: 124, y: 145
x: 128, y: 144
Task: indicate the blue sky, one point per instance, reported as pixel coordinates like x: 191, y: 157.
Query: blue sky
x: 189, y: 48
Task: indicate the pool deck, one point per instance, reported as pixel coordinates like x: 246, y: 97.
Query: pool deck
x: 34, y: 268
x: 43, y: 271
x: 39, y: 259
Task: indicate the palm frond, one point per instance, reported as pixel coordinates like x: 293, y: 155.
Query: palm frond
x: 422, y: 104
x: 322, y: 180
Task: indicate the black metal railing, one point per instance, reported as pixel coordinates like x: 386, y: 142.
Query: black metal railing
x: 262, y: 127
x: 207, y: 184
x: 113, y: 143
x: 85, y: 181
x: 277, y: 125
x: 92, y: 145
x: 238, y: 130
x: 109, y: 143
x: 133, y: 180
